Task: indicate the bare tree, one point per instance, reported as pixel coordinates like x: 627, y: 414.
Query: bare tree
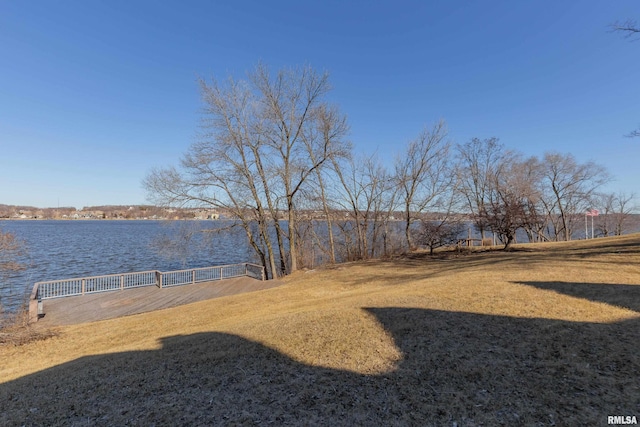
x: 528, y: 180
x: 291, y: 103
x: 615, y: 209
x: 331, y: 127
x: 438, y: 230
x: 263, y: 138
x: 363, y: 183
x: 423, y: 174
x: 384, y: 203
x: 605, y: 203
x: 570, y: 187
x: 12, y: 250
x: 477, y: 162
x: 512, y: 198
x: 623, y: 207
x: 392, y: 242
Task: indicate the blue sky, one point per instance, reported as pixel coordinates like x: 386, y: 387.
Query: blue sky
x: 93, y: 94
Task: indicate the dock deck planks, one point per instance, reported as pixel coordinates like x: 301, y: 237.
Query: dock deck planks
x: 109, y: 305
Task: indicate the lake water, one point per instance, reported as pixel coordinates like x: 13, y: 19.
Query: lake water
x: 67, y: 249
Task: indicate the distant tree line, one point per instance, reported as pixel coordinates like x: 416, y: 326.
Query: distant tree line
x: 104, y: 212
x: 273, y: 148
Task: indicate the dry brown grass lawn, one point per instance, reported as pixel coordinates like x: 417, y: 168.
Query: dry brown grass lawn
x: 544, y: 335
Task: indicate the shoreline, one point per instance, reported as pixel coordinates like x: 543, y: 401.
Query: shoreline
x: 107, y: 219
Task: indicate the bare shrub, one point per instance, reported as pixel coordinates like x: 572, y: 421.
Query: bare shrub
x: 11, y: 250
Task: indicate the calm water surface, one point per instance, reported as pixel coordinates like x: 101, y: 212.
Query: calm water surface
x: 67, y: 249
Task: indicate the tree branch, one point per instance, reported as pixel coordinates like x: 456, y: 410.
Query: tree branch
x: 629, y: 28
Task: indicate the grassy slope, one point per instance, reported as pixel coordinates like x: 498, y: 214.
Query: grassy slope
x: 548, y: 334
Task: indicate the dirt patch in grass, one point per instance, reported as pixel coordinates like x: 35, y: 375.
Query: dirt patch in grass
x: 546, y: 336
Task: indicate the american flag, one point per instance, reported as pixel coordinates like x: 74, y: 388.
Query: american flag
x: 592, y: 212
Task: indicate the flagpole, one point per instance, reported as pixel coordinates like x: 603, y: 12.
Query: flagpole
x: 586, y: 228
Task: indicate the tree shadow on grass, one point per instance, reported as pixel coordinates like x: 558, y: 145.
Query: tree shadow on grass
x: 419, y: 266
x: 466, y: 368
x: 626, y: 296
x: 610, y: 247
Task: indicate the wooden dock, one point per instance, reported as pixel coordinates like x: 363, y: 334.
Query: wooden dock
x: 109, y: 305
